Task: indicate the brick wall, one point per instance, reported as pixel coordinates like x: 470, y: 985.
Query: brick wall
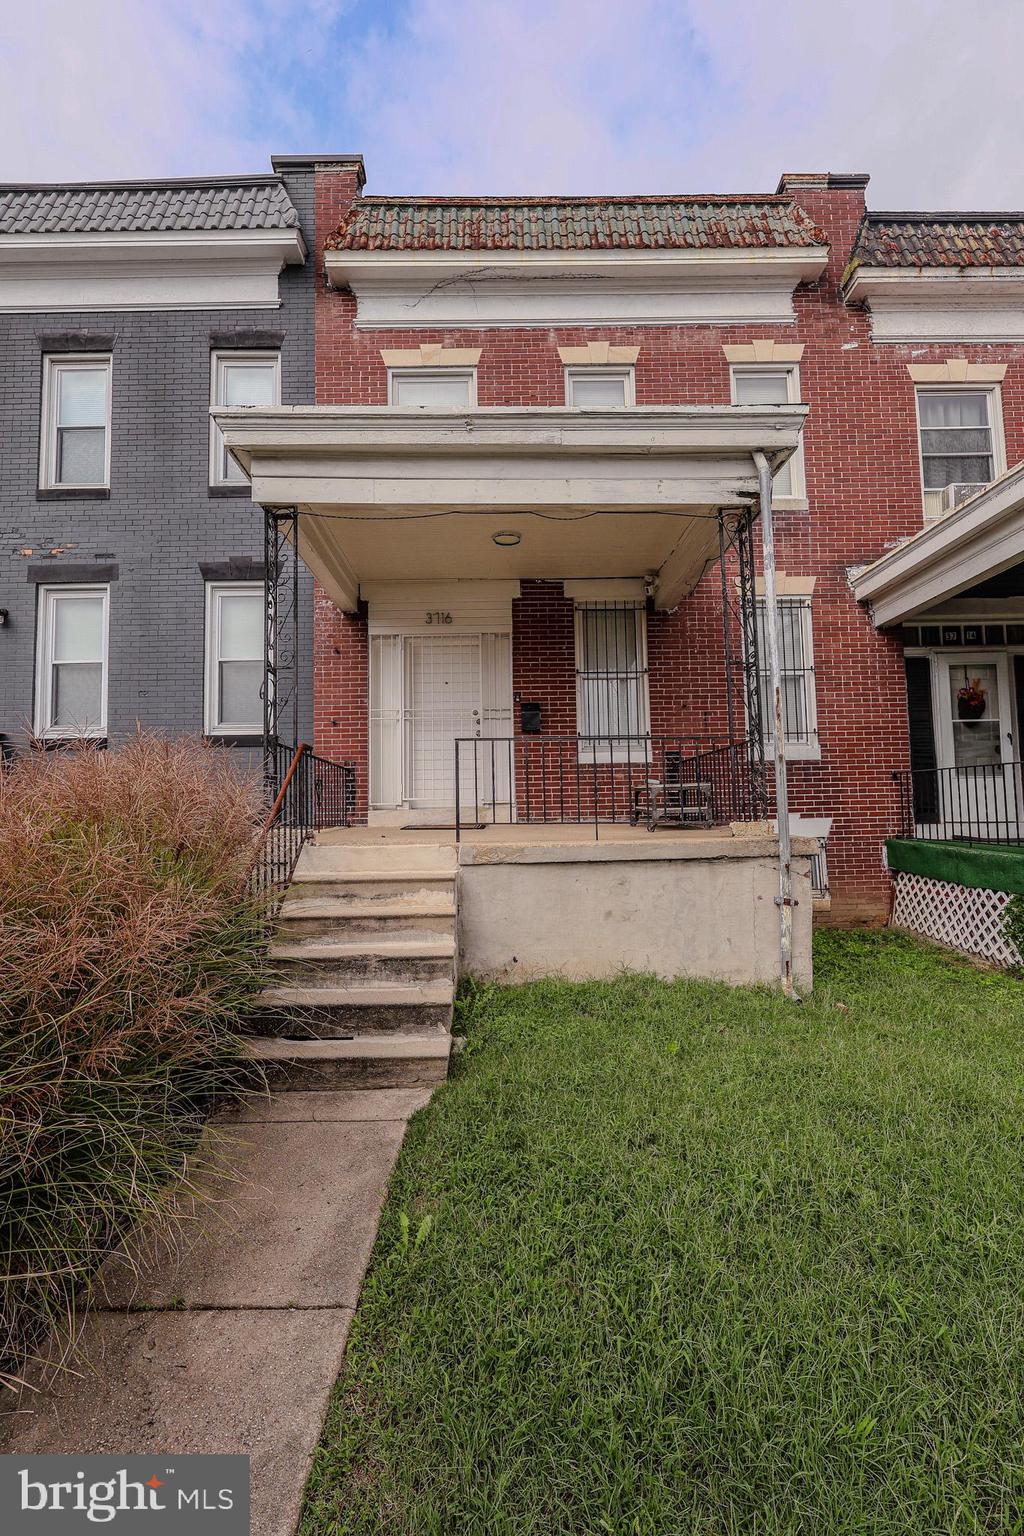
x: 863, y: 492
x: 160, y: 520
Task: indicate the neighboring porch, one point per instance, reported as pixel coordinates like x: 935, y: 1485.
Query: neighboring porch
x: 955, y: 596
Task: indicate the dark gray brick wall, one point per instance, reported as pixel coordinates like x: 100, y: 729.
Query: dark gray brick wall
x: 160, y: 521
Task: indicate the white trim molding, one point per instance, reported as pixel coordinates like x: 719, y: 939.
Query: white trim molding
x: 412, y: 289
x: 49, y: 599
x: 55, y: 366
x: 217, y: 592
x: 940, y: 303
x: 974, y: 542
x: 764, y: 351
x: 430, y: 355
x: 191, y: 269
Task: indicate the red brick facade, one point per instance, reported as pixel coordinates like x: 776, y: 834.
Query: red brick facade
x: 863, y: 491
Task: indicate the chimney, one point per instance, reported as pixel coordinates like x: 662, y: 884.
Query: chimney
x: 835, y: 201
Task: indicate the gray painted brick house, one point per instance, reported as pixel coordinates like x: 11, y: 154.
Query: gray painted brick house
x: 130, y: 548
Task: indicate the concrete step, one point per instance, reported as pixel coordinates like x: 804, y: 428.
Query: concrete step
x: 343, y: 917
x: 391, y: 1061
x: 370, y: 884
x: 378, y: 856
x: 304, y: 1009
x: 366, y: 961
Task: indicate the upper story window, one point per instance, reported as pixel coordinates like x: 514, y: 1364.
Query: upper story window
x: 239, y: 378
x: 71, y: 661
x: 796, y: 659
x: 599, y: 389
x: 432, y: 386
x: 75, y: 438
x: 961, y: 443
x: 611, y: 677
x: 234, y: 658
x: 774, y: 385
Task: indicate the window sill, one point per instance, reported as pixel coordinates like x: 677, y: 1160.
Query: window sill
x: 234, y: 738
x: 73, y: 493
x: 231, y: 492
x: 796, y: 753
x: 636, y: 756
x: 59, y: 743
x: 790, y: 504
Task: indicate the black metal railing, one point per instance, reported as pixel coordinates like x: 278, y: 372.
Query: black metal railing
x: 305, y: 794
x: 603, y: 780
x: 976, y: 803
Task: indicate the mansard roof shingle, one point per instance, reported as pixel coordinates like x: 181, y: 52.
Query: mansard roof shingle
x: 574, y: 223
x: 941, y: 240
x: 129, y: 207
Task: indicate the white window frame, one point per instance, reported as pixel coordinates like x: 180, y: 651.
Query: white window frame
x: 215, y: 591
x: 53, y: 365
x: 808, y: 751
x: 468, y: 374
x: 607, y: 751
x: 47, y: 600
x: 219, y: 360
x: 931, y: 500
x: 624, y: 371
x: 796, y: 497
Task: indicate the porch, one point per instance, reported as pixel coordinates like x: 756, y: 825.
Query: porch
x: 430, y: 530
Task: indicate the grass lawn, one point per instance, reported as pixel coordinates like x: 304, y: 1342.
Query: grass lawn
x: 682, y: 1260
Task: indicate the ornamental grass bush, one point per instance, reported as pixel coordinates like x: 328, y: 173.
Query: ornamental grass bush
x: 129, y: 954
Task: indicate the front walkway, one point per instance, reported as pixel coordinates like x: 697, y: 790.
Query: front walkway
x: 233, y: 1342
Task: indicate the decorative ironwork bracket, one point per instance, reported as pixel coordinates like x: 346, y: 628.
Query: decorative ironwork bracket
x: 281, y: 632
x: 736, y: 531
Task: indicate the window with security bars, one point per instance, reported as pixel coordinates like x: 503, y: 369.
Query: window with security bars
x: 799, y: 703
x: 611, y: 674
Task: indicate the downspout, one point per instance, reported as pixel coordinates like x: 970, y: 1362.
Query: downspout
x: 773, y: 639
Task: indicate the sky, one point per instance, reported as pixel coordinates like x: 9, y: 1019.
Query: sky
x: 526, y: 96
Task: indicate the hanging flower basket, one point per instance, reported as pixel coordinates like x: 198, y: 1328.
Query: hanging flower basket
x: 971, y: 700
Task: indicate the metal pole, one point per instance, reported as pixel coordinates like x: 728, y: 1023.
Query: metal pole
x: 773, y: 638
x: 727, y: 647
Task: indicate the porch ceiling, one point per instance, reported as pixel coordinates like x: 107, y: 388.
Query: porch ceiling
x: 977, y: 541
x: 393, y: 495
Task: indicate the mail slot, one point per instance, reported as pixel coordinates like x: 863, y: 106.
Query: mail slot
x: 529, y: 719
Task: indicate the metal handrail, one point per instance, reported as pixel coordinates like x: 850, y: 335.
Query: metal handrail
x: 313, y: 793
x: 598, y: 780
x: 972, y: 803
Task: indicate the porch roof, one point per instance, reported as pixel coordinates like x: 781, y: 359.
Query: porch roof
x: 386, y: 494
x: 976, y: 541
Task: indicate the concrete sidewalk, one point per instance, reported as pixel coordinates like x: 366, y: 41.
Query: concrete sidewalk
x: 233, y: 1340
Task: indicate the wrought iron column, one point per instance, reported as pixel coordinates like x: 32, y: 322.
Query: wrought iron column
x: 281, y: 633
x: 739, y: 526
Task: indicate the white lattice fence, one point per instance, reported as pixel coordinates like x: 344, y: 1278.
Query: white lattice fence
x: 958, y: 915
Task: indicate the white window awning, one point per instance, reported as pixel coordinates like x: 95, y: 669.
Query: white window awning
x: 976, y: 541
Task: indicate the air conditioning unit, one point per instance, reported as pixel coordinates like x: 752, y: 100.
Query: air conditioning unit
x: 963, y: 490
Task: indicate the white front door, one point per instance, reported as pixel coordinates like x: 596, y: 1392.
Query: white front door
x: 977, y: 795
x: 427, y: 691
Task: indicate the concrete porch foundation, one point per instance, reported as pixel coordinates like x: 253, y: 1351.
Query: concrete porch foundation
x: 556, y: 901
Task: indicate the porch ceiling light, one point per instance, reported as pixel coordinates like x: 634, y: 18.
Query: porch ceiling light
x: 507, y: 538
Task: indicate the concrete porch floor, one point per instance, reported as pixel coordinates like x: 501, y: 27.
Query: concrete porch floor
x: 522, y: 834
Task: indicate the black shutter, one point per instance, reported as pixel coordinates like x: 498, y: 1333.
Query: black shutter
x: 922, y: 738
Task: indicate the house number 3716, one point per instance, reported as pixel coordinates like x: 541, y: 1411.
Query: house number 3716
x: 439, y: 616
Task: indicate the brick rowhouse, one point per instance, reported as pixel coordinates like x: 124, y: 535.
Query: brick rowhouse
x: 863, y: 493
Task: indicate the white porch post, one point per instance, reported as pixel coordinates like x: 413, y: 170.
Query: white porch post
x: 773, y: 639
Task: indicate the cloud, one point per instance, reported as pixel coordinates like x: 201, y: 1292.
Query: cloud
x: 526, y: 95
